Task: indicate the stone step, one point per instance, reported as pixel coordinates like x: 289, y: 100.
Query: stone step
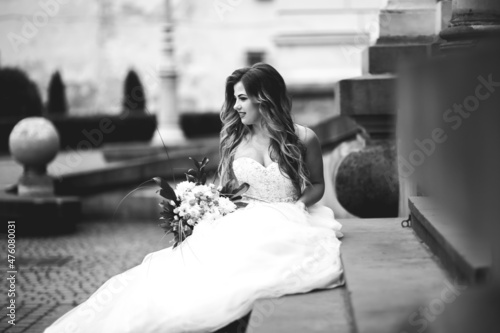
x: 463, y: 255
x: 319, y: 311
x: 386, y: 58
x: 389, y: 273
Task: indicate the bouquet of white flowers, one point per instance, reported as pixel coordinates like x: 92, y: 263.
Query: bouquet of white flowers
x: 193, y: 202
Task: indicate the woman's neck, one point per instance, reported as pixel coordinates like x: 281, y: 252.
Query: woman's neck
x: 259, y: 133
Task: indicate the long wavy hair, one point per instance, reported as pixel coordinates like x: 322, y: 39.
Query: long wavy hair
x: 264, y: 84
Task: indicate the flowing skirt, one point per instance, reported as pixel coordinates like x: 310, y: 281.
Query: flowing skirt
x: 214, y: 277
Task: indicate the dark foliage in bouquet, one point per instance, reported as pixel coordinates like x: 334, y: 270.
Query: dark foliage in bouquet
x: 182, y: 226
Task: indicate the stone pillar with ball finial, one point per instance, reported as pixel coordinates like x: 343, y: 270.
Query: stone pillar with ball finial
x: 34, y: 142
x: 33, y: 203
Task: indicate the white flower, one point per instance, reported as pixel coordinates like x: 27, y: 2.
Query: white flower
x: 226, y: 206
x: 210, y: 216
x: 183, y: 187
x: 201, y: 189
x: 194, y: 211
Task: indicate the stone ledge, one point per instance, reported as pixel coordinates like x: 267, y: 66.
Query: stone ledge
x: 319, y: 38
x: 334, y: 130
x: 408, y: 22
x: 318, y: 311
x: 371, y: 101
x: 464, y: 257
x: 386, y: 58
x: 133, y: 172
x: 132, y: 150
x: 367, y: 95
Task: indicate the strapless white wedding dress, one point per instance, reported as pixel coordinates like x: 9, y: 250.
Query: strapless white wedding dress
x: 267, y: 249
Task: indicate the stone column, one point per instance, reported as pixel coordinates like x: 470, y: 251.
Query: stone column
x: 474, y: 24
x: 408, y: 30
x: 471, y: 22
x: 168, y: 114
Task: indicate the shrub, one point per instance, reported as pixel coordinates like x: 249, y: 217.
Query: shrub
x: 134, y: 98
x: 56, y: 103
x: 19, y: 96
x: 200, y: 124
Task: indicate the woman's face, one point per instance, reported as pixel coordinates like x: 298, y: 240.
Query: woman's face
x: 246, y: 106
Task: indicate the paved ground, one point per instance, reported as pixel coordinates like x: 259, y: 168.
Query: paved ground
x: 57, y: 273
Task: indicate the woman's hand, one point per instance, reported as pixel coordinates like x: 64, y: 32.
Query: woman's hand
x: 301, y: 205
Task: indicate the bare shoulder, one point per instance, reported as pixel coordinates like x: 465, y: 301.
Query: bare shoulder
x: 305, y: 134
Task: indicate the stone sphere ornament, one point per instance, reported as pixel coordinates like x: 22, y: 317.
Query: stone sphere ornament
x: 34, y: 142
x: 367, y: 183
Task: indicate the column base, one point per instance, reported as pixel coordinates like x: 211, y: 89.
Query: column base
x: 32, y: 184
x: 463, y: 37
x: 469, y: 27
x: 168, y: 135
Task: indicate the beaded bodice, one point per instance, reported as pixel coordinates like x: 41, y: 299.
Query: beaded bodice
x: 267, y: 184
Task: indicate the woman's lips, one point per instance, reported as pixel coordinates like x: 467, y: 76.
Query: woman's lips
x: 242, y: 114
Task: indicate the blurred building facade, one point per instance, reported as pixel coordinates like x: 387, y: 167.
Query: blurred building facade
x: 93, y: 43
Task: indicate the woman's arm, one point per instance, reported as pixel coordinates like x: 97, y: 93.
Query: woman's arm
x: 314, y: 162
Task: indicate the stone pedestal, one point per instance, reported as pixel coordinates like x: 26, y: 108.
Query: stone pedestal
x: 169, y: 131
x: 35, y: 182
x: 34, y: 142
x: 32, y: 202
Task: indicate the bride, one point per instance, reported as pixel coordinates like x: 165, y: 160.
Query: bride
x: 282, y: 242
